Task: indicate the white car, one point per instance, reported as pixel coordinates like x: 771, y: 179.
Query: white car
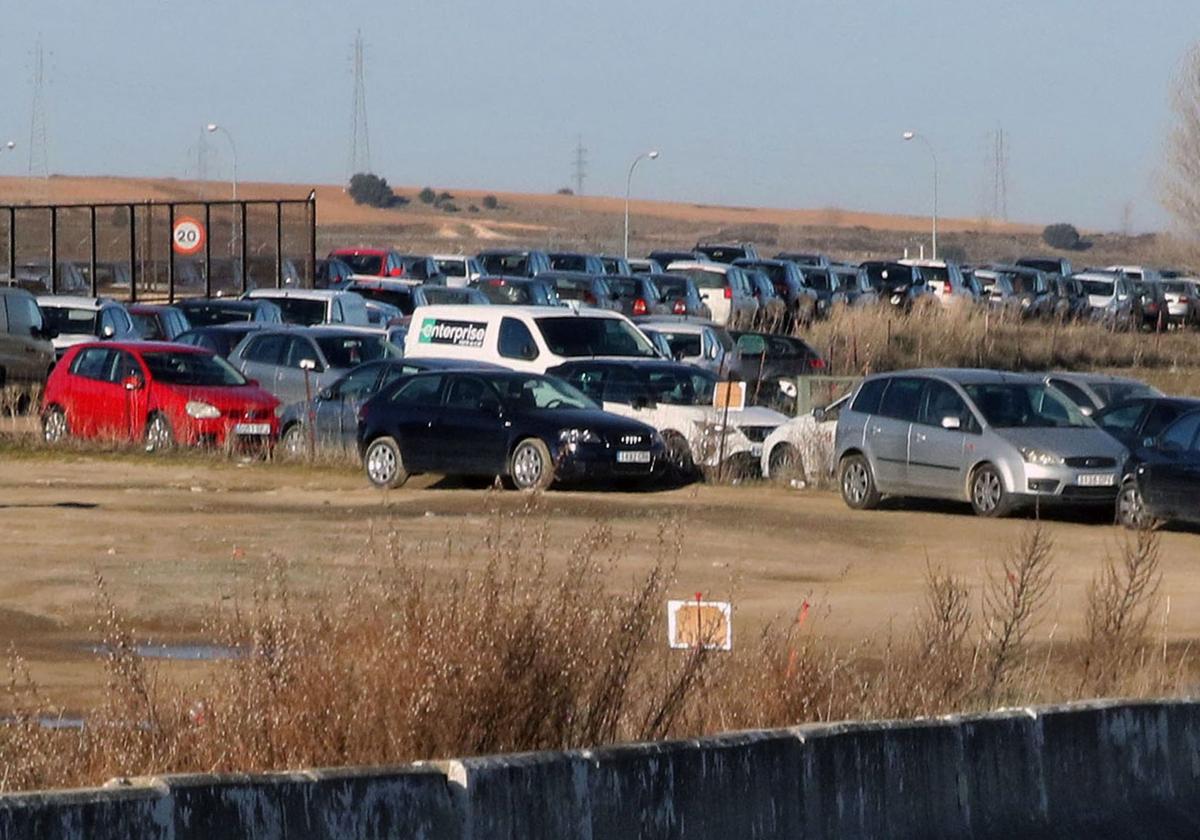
x: 74, y: 320
x: 312, y: 307
x: 945, y: 280
x: 458, y: 269
x: 700, y: 343
x: 800, y: 451
x: 725, y: 289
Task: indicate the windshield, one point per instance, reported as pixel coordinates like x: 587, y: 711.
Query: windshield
x: 399, y: 297
x: 705, y: 279
x: 625, y: 287
x: 452, y: 268
x: 66, y: 321
x: 574, y: 337
x: 442, y: 294
x: 1099, y: 288
x: 683, y: 345
x: 198, y: 369
x: 502, y: 291
x: 344, y: 351
x: 363, y: 263
x: 1034, y: 405
x: 147, y: 326
x: 889, y: 276
x: 820, y: 280
x: 515, y: 264
x: 301, y: 311
x: 1115, y: 392
x: 541, y: 393
x: 207, y: 316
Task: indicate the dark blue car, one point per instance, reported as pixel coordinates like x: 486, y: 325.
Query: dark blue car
x: 1162, y: 480
x: 531, y: 430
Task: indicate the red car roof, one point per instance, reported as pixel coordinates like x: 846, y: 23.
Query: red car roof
x: 143, y: 346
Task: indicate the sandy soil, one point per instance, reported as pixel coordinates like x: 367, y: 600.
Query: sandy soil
x: 175, y: 539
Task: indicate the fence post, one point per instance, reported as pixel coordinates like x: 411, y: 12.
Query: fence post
x: 312, y: 239
x: 208, y: 249
x: 171, y: 254
x: 12, y: 245
x: 245, y: 271
x: 278, y: 244
x: 92, y: 255
x: 133, y: 265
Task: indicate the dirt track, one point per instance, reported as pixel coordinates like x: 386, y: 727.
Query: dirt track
x: 174, y: 538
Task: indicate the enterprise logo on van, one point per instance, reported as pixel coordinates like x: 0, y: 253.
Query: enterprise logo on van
x: 457, y: 333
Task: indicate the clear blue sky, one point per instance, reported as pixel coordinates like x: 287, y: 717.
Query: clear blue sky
x: 787, y: 103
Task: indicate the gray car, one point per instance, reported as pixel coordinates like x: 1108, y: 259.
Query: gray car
x: 293, y: 363
x: 1093, y: 391
x: 997, y: 440
x: 26, y: 354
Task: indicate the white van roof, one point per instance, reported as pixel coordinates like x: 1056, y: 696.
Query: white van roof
x: 478, y: 310
x: 698, y: 265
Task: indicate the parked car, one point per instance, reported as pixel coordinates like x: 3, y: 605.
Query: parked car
x: 330, y: 420
x: 221, y: 338
x: 790, y: 287
x: 530, y: 338
x: 309, y: 307
x: 825, y: 284
x: 645, y: 266
x: 74, y: 320
x: 1136, y: 422
x: 805, y: 260
x: 1093, y: 391
x: 518, y: 291
x: 1050, y: 265
x: 109, y: 275
x: 205, y: 312
x: 458, y: 269
x: 854, y: 285
x: 725, y: 290
x: 772, y: 310
x: 1153, y: 298
x: 1111, y: 299
x: 531, y: 430
x: 770, y: 364
x: 680, y: 294
x: 1071, y: 300
x: 162, y: 394
x: 1162, y: 481
x: 586, y: 289
x: 371, y: 262
x: 294, y: 363
x: 945, y: 280
x: 898, y: 285
x: 617, y: 266
x: 155, y: 322
x: 636, y: 295
x: 1021, y: 291
x: 585, y: 263
x: 727, y: 252
x: 704, y: 344
x: 800, y: 451
x: 26, y: 351
x: 678, y: 401
x: 1183, y: 301
x: 34, y: 277
x: 514, y: 263
x: 332, y: 273
x: 381, y: 314
x: 998, y: 440
x: 406, y: 297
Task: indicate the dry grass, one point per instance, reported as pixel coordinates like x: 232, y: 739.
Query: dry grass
x: 450, y: 649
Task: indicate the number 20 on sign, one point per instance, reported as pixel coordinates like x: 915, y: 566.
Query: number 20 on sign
x: 187, y: 237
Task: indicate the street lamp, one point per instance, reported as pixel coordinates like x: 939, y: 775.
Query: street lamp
x: 651, y: 155
x: 212, y: 128
x: 912, y: 135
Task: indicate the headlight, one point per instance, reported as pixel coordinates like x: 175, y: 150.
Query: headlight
x: 1040, y: 457
x: 1026, y: 302
x: 573, y: 437
x: 202, y: 410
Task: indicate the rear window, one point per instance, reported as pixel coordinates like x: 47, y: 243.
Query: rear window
x: 453, y: 268
x: 1099, y: 288
x: 397, y: 296
x: 502, y: 291
x: 568, y: 262
x: 344, y: 351
x: 705, y: 279
x: 301, y: 311
x: 363, y: 263
x: 516, y: 264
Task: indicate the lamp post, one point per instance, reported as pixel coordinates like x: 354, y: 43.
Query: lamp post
x: 651, y: 155
x: 912, y: 135
x: 212, y: 128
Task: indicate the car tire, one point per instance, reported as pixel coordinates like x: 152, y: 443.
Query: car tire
x: 988, y: 496
x: 786, y: 465
x: 681, y: 468
x: 159, y: 436
x: 54, y: 425
x: 531, y: 467
x: 384, y: 464
x: 293, y: 443
x: 857, y: 483
x: 1131, y: 508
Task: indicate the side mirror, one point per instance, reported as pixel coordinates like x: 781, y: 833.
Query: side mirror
x: 308, y: 364
x: 818, y: 414
x: 951, y: 423
x: 1148, y: 443
x: 134, y: 383
x: 107, y: 331
x: 1087, y: 411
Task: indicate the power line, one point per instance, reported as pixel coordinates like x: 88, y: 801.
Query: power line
x: 580, y: 165
x: 39, y: 163
x: 360, y: 140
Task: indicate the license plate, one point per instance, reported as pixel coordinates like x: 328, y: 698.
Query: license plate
x: 1097, y: 480
x: 633, y: 457
x: 252, y: 429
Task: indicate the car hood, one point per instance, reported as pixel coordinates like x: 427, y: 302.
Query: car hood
x: 579, y: 418
x: 1069, y: 443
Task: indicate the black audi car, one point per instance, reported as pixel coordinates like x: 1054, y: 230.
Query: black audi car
x: 529, y: 429
x: 1162, y: 480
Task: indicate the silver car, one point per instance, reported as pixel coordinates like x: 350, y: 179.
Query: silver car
x: 997, y: 440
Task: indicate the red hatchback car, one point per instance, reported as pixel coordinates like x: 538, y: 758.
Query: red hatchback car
x: 162, y: 394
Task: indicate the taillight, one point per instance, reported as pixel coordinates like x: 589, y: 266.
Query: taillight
x: 1183, y: 299
x: 588, y: 297
x: 728, y: 293
x: 817, y: 363
x: 639, y: 307
x: 495, y: 282
x: 946, y: 288
x: 680, y: 308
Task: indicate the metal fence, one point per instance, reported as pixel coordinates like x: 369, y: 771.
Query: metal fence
x: 127, y: 251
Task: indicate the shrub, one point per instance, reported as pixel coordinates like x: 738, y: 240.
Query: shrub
x: 449, y: 207
x: 1062, y: 236
x: 371, y: 190
x: 471, y: 208
x: 443, y: 197
x: 566, y: 191
x: 490, y: 202
x: 427, y: 196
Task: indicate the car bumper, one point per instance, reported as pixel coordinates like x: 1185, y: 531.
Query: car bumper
x: 223, y: 431
x: 1069, y: 485
x: 590, y: 462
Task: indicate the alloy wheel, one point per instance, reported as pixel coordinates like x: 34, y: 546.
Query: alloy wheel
x: 527, y: 466
x: 382, y: 464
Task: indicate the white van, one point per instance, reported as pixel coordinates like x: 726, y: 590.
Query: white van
x: 527, y: 338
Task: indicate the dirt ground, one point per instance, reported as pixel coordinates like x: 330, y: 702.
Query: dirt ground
x: 176, y: 538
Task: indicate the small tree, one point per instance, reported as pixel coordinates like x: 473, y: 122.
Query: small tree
x: 427, y: 196
x: 1062, y: 236
x: 490, y: 202
x: 367, y: 188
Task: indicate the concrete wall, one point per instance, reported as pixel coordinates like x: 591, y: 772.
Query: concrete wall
x: 1097, y: 769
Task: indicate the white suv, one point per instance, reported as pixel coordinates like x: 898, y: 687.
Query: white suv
x: 312, y: 307
x: 458, y: 269
x: 74, y: 320
x: 945, y: 280
x: 724, y: 288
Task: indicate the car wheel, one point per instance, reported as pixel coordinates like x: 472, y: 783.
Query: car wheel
x: 384, y: 464
x: 531, y: 467
x: 1131, y: 508
x: 786, y: 466
x: 857, y: 483
x: 159, y: 436
x: 681, y: 468
x: 988, y: 496
x: 293, y: 446
x: 54, y: 425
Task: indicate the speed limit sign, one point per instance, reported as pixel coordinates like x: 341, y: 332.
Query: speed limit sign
x: 187, y: 237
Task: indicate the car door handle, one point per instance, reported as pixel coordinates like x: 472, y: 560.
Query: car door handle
x: 875, y: 430
x: 919, y: 436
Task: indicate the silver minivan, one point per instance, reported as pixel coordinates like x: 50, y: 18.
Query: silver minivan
x: 997, y: 440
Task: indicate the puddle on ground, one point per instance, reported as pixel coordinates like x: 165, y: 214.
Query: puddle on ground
x: 180, y: 653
